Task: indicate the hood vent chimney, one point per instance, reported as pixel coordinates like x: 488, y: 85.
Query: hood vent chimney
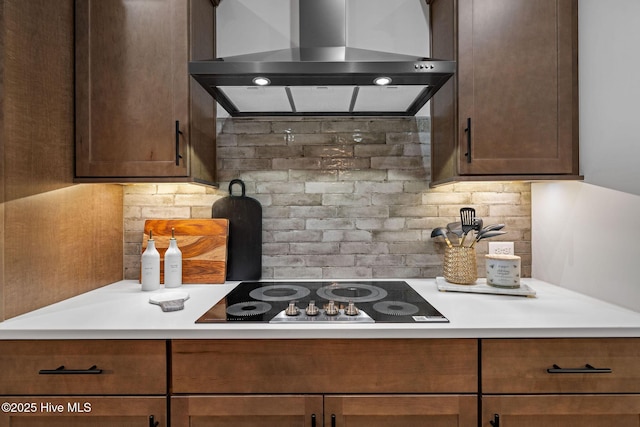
x: 323, y: 77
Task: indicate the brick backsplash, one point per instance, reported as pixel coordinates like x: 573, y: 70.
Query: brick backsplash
x: 342, y: 198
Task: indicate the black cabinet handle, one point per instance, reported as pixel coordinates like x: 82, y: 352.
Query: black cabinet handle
x: 333, y: 420
x: 153, y: 422
x: 588, y: 369
x: 60, y: 370
x: 313, y: 420
x: 496, y: 420
x: 468, y: 132
x: 178, y: 133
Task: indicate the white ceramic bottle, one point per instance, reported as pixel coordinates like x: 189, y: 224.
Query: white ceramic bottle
x: 150, y: 266
x: 173, y: 264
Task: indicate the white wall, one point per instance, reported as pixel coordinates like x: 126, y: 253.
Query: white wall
x: 586, y: 238
x: 609, y: 52
x: 585, y: 235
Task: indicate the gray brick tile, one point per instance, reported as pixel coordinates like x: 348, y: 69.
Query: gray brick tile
x: 341, y: 198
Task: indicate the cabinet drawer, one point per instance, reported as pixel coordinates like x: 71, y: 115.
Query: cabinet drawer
x: 90, y: 367
x: 607, y: 365
x: 325, y: 366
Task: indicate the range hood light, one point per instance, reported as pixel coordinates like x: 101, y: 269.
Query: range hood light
x: 261, y: 81
x: 382, y: 81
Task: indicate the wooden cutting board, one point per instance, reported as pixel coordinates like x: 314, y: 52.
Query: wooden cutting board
x: 203, y: 243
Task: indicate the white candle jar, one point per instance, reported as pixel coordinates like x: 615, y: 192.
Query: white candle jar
x: 503, y: 271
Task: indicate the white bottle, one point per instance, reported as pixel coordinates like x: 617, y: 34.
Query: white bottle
x: 150, y: 266
x: 172, y: 264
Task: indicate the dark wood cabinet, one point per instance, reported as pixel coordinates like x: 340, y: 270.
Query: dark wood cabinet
x: 101, y: 383
x: 329, y: 410
x: 561, y: 410
x: 511, y: 110
x: 247, y: 411
x: 139, y: 116
x: 586, y: 382
x: 522, y: 366
x: 336, y: 366
x: 400, y: 410
x: 568, y: 382
x: 331, y: 383
x: 83, y: 411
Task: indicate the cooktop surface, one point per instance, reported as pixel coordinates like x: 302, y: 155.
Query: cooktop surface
x: 323, y: 301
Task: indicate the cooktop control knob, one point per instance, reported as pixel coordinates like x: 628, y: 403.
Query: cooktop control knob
x: 351, y: 309
x: 312, y: 309
x: 331, y: 309
x: 292, y: 310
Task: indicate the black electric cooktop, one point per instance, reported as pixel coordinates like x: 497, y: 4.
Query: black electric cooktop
x: 323, y: 301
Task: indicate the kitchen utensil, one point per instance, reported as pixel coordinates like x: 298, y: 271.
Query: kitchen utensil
x: 488, y: 228
x: 455, y: 228
x: 487, y: 235
x: 477, y: 226
x: 441, y: 231
x: 203, y: 243
x: 467, y: 219
x: 245, y: 233
x: 492, y: 227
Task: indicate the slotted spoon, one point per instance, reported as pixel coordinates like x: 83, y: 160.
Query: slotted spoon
x: 468, y: 221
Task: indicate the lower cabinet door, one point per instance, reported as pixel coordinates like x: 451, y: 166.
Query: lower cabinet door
x: 400, y: 411
x: 561, y: 410
x: 78, y: 411
x: 247, y: 411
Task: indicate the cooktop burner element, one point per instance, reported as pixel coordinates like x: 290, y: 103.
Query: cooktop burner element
x: 283, y: 292
x: 351, y: 292
x: 395, y: 308
x: 323, y: 301
x: 250, y: 308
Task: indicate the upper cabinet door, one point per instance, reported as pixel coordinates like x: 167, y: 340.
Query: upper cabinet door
x: 516, y: 68
x: 132, y: 87
x: 512, y: 109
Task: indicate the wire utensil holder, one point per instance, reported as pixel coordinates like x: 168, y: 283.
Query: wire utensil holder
x: 460, y: 265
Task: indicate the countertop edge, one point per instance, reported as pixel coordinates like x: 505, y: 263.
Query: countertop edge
x: 324, y: 334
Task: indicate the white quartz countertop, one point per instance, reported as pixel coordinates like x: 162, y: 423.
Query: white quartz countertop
x: 122, y: 311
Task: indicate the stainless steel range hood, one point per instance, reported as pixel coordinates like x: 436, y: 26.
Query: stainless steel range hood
x: 323, y: 76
